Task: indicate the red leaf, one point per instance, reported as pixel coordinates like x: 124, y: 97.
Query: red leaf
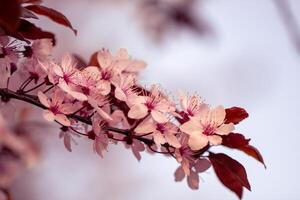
x: 235, y: 115
x: 54, y: 15
x: 10, y: 11
x: 230, y: 172
x: 253, y: 152
x: 238, y: 141
x: 234, y: 140
x: 30, y: 31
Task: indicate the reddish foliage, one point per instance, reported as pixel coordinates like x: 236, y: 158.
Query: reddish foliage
x: 238, y: 141
x: 52, y: 14
x: 10, y: 11
x: 234, y: 140
x: 230, y: 172
x: 30, y: 31
x: 235, y: 115
x: 253, y: 152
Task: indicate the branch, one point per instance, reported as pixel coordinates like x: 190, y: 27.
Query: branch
x: 31, y: 99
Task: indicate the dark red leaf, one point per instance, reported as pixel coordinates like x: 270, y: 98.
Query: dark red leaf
x: 230, y: 172
x: 30, y: 31
x: 238, y: 141
x: 52, y: 14
x: 10, y: 11
x: 253, y: 152
x: 235, y: 115
x: 234, y: 140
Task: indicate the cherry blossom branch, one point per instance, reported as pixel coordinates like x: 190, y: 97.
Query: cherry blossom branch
x: 7, y: 94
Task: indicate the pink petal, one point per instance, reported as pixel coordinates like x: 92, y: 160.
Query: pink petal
x: 67, y: 62
x: 136, y: 148
x: 197, y: 142
x: 202, y: 165
x: 57, y: 70
x: 158, y: 116
x: 104, y: 58
x: 105, y: 87
x: 183, y: 100
x: 77, y: 95
x: 68, y: 108
x: 193, y: 180
x: 101, y: 112
x: 92, y: 71
x: 219, y: 114
x: 145, y: 127
x: 119, y: 94
x: 225, y: 129
x: 138, y: 111
x: 158, y: 138
x: 186, y: 166
x: 58, y: 97
x: 62, y: 119
x: 43, y: 99
x: 67, y: 142
x: 100, y: 144
x: 191, y: 128
x: 122, y: 54
x: 48, y: 115
x: 172, y: 140
x: 215, y: 140
x: 136, y: 66
x: 179, y: 174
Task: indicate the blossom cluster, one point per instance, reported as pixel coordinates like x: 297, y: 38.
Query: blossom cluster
x: 103, y: 101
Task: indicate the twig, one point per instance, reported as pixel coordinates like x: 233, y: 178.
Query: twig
x: 9, y: 94
x: 39, y: 85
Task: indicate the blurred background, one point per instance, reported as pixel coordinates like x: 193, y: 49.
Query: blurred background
x: 239, y: 53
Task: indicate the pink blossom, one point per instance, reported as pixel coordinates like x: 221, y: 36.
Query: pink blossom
x: 8, y: 57
x: 192, y: 178
x: 191, y: 105
x: 37, y: 53
x: 101, y: 139
x: 108, y: 71
x: 126, y: 65
x: 162, y: 132
x: 155, y: 103
x: 9, y: 50
x: 99, y: 105
x: 68, y: 75
x: 206, y: 128
x: 125, y: 87
x: 90, y: 82
x: 68, y: 137
x: 57, y: 108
